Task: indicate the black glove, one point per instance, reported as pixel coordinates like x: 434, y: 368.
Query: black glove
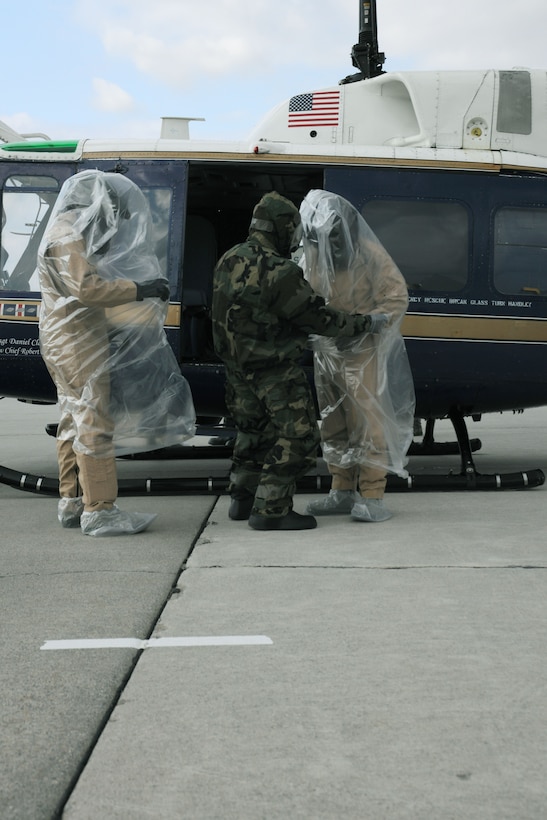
x: 363, y: 324
x: 344, y: 343
x: 154, y: 288
x: 373, y: 323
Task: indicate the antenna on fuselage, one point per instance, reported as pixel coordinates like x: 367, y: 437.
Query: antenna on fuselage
x: 364, y: 54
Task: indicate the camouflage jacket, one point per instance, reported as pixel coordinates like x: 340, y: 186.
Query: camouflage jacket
x: 264, y: 310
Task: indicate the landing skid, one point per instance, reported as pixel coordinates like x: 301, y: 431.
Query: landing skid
x: 467, y: 479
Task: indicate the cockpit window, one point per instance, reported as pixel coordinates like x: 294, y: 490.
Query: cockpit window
x: 27, y: 202
x: 429, y: 241
x: 520, y: 251
x: 18, y: 181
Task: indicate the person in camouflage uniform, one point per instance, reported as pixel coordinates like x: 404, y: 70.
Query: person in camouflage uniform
x: 263, y: 311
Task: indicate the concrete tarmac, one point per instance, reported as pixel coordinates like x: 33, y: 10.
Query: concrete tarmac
x: 368, y: 671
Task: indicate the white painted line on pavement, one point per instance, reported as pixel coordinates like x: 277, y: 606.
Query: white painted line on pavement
x: 95, y: 643
x: 211, y: 640
x: 156, y: 643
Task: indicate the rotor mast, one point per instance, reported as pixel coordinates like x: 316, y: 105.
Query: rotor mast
x: 364, y: 54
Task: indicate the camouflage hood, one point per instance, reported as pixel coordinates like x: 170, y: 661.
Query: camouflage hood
x: 276, y: 221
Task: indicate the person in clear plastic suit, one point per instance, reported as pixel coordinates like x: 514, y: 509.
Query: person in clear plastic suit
x: 102, y: 338
x: 364, y: 385
x: 263, y: 313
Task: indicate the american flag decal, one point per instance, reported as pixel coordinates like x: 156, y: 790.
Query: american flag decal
x: 314, y: 109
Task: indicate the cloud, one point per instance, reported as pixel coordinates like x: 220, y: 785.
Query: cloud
x: 466, y: 35
x: 230, y: 61
x: 110, y: 97
x: 181, y: 42
x: 185, y: 44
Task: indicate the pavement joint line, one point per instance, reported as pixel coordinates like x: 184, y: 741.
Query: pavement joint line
x: 157, y: 643
x: 370, y: 567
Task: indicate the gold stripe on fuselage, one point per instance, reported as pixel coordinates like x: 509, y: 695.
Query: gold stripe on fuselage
x: 173, y: 315
x: 480, y: 328
x: 322, y: 160
x: 28, y: 310
x: 415, y: 325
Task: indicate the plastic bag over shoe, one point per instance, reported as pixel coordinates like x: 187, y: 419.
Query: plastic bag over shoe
x: 117, y: 378
x: 364, y: 384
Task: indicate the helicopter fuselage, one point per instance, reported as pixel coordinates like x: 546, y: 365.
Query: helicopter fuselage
x: 465, y: 220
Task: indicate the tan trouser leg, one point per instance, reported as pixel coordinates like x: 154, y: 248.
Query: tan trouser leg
x: 68, y: 472
x: 372, y: 482
x: 354, y: 421
x: 343, y: 478
x: 99, y: 482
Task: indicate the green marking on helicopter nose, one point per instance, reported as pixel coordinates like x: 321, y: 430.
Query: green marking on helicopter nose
x: 44, y: 146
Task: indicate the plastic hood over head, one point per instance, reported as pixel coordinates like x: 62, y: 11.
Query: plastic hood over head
x: 279, y: 220
x: 364, y: 385
x: 110, y: 215
x: 117, y: 378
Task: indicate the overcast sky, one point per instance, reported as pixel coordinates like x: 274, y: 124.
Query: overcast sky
x: 93, y: 68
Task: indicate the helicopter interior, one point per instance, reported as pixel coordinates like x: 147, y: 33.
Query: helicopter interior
x: 220, y: 201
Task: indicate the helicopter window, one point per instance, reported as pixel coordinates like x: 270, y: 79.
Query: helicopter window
x: 159, y: 200
x: 515, y: 103
x: 32, y: 182
x: 520, y: 252
x: 429, y: 241
x: 27, y: 202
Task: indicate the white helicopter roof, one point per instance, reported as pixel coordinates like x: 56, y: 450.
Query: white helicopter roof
x: 489, y: 110
x: 479, y: 116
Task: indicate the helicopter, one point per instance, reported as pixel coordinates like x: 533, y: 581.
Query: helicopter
x: 447, y: 167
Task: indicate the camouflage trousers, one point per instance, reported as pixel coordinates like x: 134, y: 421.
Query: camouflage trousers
x: 277, y: 434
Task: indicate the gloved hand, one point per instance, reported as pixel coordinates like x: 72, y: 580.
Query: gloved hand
x: 371, y: 323
x: 153, y: 288
x: 361, y: 326
x: 345, y: 343
x: 378, y: 322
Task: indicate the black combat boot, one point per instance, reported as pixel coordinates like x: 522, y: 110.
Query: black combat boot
x: 291, y: 521
x: 241, y: 506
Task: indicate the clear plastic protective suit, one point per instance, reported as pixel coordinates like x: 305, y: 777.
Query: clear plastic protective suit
x: 364, y: 384
x: 117, y: 379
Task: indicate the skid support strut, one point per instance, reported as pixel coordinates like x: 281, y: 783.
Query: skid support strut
x: 469, y: 478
